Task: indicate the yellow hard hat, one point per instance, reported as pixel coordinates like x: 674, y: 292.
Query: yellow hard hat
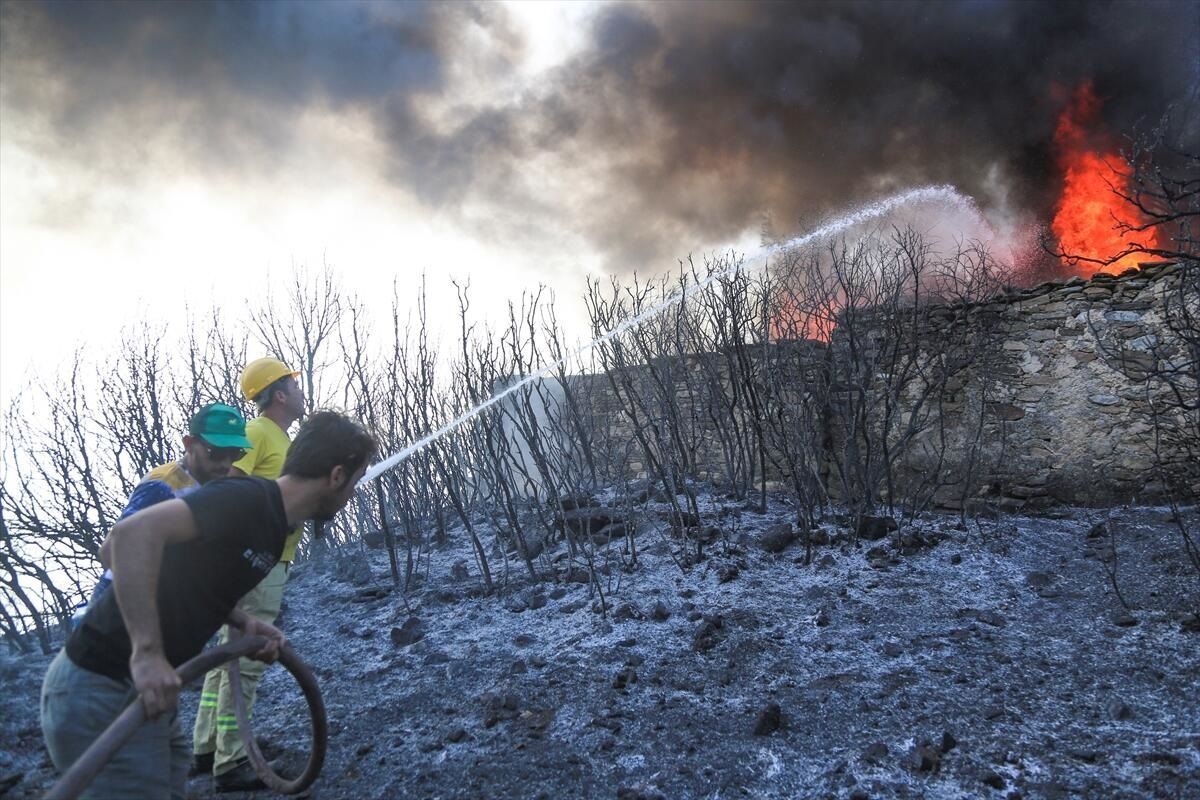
x: 261, y: 373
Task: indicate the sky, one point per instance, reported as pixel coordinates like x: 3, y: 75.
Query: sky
x: 155, y: 160
x: 156, y: 157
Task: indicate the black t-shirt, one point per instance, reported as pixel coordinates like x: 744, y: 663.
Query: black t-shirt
x: 241, y: 527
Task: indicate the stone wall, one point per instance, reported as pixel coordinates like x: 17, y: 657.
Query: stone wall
x: 1053, y: 407
x: 1068, y: 407
x: 686, y: 419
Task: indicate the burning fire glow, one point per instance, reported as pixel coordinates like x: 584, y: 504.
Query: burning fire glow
x: 792, y: 322
x: 1093, y: 223
x: 1090, y: 219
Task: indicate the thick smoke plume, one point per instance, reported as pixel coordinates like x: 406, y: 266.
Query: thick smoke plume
x: 679, y: 125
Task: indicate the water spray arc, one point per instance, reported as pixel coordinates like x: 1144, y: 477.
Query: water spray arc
x: 925, y: 194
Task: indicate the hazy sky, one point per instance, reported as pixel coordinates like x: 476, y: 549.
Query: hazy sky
x: 154, y: 155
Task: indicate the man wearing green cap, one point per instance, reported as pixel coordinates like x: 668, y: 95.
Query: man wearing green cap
x: 215, y: 439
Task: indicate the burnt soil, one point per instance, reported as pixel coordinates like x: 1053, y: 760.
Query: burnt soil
x: 991, y: 661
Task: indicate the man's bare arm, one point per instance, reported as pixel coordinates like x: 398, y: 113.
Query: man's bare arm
x: 135, y: 549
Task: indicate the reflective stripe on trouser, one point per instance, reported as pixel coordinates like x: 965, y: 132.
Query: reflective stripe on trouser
x: 78, y: 705
x: 216, y: 728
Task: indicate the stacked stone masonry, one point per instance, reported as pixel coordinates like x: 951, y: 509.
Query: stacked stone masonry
x: 1058, y: 411
x: 1069, y: 408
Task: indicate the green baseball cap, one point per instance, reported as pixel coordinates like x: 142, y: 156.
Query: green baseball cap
x: 220, y: 425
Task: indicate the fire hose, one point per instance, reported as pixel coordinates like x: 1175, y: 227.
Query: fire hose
x: 88, y: 766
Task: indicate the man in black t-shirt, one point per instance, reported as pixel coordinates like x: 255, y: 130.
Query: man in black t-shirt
x: 179, y: 568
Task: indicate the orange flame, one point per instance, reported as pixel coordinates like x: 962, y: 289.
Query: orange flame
x: 1090, y: 219
x: 793, y: 322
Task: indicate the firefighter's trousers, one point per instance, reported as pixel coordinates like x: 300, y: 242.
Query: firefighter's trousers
x: 216, y: 728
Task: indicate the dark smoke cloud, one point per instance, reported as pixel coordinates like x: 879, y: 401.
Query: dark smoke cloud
x: 802, y: 108
x: 223, y: 81
x: 679, y: 125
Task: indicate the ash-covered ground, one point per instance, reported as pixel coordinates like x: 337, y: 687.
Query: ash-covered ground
x: 995, y: 661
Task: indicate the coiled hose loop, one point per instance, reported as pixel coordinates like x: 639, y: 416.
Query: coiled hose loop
x: 88, y: 766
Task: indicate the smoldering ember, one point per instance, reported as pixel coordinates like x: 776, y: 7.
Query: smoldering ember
x: 902, y: 502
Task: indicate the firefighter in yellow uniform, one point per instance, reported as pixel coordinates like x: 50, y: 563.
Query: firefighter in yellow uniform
x: 217, y: 744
